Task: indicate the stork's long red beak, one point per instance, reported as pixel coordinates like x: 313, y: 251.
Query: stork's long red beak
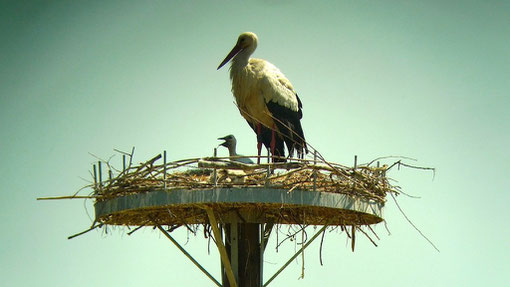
x: 235, y: 50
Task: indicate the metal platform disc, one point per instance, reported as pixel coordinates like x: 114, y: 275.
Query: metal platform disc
x: 246, y: 205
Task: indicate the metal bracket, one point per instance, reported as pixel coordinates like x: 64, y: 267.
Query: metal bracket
x: 188, y: 255
x: 295, y: 255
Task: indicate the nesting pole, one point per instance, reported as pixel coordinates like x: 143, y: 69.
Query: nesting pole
x: 240, y: 204
x: 244, y: 252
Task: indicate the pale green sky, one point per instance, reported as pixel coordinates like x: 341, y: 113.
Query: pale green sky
x: 424, y: 79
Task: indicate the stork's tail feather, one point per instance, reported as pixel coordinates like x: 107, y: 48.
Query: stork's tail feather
x: 294, y: 137
x: 289, y: 124
x: 302, y: 148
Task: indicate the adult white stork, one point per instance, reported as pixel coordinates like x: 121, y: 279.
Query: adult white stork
x: 266, y: 99
x: 230, y: 143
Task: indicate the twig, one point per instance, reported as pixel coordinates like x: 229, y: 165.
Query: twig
x: 412, y: 224
x: 136, y: 229
x: 83, y: 232
x: 408, y: 195
x: 400, y: 163
x: 353, y: 239
x: 391, y: 156
x: 66, y: 197
x: 303, y: 254
x: 373, y: 232
x: 290, y: 236
x: 362, y: 231
x: 386, y: 226
x: 320, y: 248
x: 122, y: 152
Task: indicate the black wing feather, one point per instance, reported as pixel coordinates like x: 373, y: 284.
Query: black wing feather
x: 289, y: 124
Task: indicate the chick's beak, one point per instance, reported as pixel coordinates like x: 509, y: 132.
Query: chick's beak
x: 223, y: 143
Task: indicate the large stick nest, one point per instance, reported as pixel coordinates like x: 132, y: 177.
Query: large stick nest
x: 366, y: 180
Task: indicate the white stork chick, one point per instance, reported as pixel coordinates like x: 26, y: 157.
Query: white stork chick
x: 230, y: 143
x: 266, y: 99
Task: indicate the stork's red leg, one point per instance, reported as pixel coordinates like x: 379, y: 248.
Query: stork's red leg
x: 273, y: 142
x: 259, y: 142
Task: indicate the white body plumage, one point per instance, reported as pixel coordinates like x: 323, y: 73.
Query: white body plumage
x: 265, y: 97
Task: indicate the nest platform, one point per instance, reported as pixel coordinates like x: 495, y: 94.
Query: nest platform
x: 298, y: 192
x: 238, y: 204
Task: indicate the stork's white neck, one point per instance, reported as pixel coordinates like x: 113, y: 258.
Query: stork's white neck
x: 242, y: 58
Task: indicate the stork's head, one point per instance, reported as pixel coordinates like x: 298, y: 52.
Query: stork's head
x: 247, y: 40
x: 229, y: 141
x: 246, y: 44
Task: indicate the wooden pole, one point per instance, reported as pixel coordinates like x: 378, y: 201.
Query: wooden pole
x: 249, y: 255
x: 244, y: 250
x: 234, y: 249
